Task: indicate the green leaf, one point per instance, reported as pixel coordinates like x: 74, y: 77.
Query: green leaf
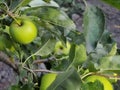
x: 69, y: 80
x: 91, y: 66
x: 105, y: 58
x: 47, y: 48
x: 93, y: 26
x: 99, y: 52
x: 114, y: 3
x: 54, y: 16
x: 72, y: 53
x: 113, y: 50
x: 76, y: 37
x: 15, y: 4
x: 77, y: 55
x: 27, y: 87
x: 14, y: 87
x: 109, y: 63
x: 2, y: 1
x: 106, y: 38
x: 48, y: 1
x: 93, y: 86
x: 51, y: 29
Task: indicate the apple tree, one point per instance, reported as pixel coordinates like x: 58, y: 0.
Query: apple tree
x: 40, y: 39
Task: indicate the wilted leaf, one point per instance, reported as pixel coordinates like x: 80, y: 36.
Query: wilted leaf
x: 93, y: 26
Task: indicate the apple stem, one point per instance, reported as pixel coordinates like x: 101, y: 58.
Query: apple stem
x: 17, y: 21
x: 90, y: 73
x: 11, y: 15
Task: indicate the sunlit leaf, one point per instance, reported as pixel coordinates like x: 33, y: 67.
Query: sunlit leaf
x: 113, y: 50
x: 114, y: 3
x: 37, y: 3
x: 48, y: 1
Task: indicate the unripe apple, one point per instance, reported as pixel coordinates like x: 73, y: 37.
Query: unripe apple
x: 23, y: 31
x: 47, y: 80
x: 60, y: 49
x: 106, y: 83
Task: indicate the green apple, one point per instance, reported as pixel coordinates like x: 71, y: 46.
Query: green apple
x: 24, y: 32
x: 106, y: 83
x: 80, y: 55
x: 47, y: 80
x: 60, y: 49
x: 5, y: 42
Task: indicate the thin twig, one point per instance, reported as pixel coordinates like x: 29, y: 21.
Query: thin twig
x: 40, y: 61
x: 44, y: 60
x: 47, y: 71
x: 30, y: 70
x: 91, y: 73
x: 23, y: 64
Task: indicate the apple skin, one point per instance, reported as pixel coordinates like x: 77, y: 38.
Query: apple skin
x: 24, y: 33
x: 47, y: 80
x: 60, y: 49
x: 106, y: 83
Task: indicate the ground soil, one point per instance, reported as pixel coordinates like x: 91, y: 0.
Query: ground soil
x: 7, y: 73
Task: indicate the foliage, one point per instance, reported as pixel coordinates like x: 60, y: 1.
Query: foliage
x: 113, y: 3
x: 92, y: 51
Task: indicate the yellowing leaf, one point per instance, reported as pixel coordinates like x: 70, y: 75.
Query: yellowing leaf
x: 113, y: 50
